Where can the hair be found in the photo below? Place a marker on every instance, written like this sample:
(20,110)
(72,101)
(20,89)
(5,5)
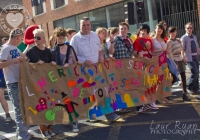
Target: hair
(50,39)
(124,23)
(60,31)
(39,31)
(109,29)
(16,32)
(172,29)
(163,35)
(162,22)
(143,27)
(85,18)
(189,23)
(99,30)
(70,31)
(114,30)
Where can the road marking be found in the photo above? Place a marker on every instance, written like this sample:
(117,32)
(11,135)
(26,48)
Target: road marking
(10,135)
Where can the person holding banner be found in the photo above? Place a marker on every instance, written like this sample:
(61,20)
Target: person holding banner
(123,48)
(52,42)
(143,44)
(160,46)
(40,54)
(10,58)
(174,48)
(64,55)
(88,48)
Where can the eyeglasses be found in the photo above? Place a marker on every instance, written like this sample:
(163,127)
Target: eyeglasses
(189,28)
(37,37)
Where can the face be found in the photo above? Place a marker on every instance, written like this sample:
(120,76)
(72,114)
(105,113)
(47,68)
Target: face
(165,25)
(189,29)
(70,36)
(39,39)
(66,101)
(102,35)
(143,33)
(19,39)
(53,42)
(123,30)
(173,35)
(158,30)
(61,39)
(85,27)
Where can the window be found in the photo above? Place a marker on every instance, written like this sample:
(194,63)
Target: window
(59,3)
(38,7)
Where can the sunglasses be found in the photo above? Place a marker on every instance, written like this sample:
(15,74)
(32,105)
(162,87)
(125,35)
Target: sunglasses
(37,37)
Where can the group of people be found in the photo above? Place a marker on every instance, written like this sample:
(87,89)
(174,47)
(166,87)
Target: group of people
(87,47)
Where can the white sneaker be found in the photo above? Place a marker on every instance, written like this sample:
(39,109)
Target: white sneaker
(46,134)
(51,133)
(75,127)
(154,106)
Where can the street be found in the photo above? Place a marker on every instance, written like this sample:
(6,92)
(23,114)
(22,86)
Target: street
(176,121)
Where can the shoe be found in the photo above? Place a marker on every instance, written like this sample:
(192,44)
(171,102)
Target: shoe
(186,97)
(190,91)
(116,118)
(8,118)
(197,92)
(144,109)
(153,106)
(46,134)
(123,110)
(51,133)
(75,127)
(20,138)
(167,100)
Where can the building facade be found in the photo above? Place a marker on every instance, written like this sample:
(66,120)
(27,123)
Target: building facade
(50,14)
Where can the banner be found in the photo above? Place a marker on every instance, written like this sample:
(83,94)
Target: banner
(55,95)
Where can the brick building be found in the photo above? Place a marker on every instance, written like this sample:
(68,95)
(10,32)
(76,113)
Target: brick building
(66,13)
(3,4)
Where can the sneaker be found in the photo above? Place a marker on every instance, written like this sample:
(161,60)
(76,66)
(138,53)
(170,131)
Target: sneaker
(46,134)
(51,133)
(8,119)
(144,109)
(20,138)
(116,118)
(75,127)
(153,106)
(190,91)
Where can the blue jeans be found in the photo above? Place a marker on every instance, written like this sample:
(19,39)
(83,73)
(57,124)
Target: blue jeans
(194,78)
(22,128)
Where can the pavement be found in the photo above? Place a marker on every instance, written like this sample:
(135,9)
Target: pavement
(177,121)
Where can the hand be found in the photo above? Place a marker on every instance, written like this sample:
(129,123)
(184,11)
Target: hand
(79,62)
(53,63)
(88,62)
(66,65)
(108,59)
(199,50)
(101,59)
(112,58)
(185,61)
(40,62)
(111,38)
(141,54)
(17,60)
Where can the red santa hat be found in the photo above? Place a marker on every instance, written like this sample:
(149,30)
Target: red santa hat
(28,35)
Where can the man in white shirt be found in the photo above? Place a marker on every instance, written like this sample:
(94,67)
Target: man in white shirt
(87,46)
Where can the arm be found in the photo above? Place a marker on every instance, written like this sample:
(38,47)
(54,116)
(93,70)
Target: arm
(5,63)
(60,105)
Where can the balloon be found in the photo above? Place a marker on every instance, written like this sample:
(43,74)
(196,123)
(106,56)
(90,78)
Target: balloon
(28,35)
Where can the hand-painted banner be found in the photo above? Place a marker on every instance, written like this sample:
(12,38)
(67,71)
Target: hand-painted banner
(53,94)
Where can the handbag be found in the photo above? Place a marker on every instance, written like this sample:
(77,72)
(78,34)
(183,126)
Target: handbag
(172,67)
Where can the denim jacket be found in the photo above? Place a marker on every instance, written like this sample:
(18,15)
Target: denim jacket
(186,43)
